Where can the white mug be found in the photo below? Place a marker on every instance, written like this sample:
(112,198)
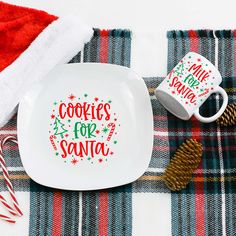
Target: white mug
(189,85)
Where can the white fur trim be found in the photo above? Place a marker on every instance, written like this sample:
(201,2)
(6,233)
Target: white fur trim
(56,44)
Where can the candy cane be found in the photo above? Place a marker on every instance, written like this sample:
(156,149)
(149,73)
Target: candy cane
(52,141)
(6,218)
(10,209)
(9,185)
(113,126)
(204,93)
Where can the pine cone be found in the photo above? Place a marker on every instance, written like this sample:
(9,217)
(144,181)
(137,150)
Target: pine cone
(181,167)
(229,116)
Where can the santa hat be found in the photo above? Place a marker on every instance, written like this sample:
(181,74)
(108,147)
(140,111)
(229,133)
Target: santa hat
(32,42)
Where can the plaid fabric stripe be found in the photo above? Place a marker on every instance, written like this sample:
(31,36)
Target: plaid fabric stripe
(55,213)
(151,181)
(109,46)
(101,211)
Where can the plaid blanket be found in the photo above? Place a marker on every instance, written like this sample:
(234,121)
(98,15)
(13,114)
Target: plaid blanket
(206,207)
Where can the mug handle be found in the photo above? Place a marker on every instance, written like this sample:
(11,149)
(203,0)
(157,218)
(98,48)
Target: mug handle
(221,91)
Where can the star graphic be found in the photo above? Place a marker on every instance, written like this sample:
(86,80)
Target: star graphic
(86,95)
(97,131)
(109,101)
(100,160)
(55,103)
(105,130)
(57,153)
(66,135)
(96,99)
(111,153)
(74,161)
(52,116)
(71,97)
(115,142)
(115,119)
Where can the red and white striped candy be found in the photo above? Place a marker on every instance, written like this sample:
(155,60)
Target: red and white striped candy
(52,137)
(113,126)
(9,185)
(6,218)
(10,209)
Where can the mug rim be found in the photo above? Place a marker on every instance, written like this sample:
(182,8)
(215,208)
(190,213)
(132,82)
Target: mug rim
(168,109)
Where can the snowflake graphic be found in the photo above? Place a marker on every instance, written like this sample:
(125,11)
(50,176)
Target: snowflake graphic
(74,161)
(105,130)
(71,97)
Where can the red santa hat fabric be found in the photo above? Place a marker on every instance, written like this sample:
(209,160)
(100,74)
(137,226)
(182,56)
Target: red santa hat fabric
(32,42)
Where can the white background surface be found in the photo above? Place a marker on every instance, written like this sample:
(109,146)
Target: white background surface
(146,15)
(149,20)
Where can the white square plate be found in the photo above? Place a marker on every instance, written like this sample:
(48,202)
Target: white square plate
(86,127)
